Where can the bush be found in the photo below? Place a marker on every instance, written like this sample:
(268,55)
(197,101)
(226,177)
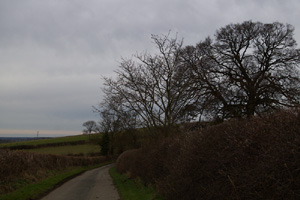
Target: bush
(257,158)
(149,162)
(16,165)
(115,143)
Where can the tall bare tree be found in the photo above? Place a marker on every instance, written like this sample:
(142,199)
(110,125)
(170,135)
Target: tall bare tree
(152,87)
(250,68)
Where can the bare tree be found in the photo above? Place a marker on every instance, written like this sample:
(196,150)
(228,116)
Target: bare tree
(114,117)
(90,126)
(152,87)
(250,68)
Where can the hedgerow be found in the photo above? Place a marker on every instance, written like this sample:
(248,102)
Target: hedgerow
(256,158)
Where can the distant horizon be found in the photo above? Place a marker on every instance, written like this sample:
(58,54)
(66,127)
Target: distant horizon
(33,133)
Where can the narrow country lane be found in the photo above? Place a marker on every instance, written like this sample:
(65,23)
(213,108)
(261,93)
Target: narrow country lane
(95,184)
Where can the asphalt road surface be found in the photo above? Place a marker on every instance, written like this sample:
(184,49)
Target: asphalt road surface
(95,184)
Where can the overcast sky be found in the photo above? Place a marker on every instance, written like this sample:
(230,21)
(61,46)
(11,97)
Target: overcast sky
(54,52)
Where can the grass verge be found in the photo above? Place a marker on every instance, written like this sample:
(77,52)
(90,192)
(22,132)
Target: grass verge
(130,189)
(37,190)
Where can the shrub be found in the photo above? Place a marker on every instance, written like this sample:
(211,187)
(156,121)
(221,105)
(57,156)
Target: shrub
(16,165)
(257,158)
(115,143)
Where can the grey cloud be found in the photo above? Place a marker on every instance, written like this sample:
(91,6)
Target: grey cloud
(49,102)
(53,53)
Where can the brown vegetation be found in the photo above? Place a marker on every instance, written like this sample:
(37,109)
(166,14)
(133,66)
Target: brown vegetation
(245,69)
(26,146)
(17,166)
(257,158)
(248,69)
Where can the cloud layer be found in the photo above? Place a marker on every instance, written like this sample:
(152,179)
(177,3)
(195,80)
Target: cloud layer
(53,53)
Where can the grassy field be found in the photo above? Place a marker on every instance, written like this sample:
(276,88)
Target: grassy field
(67,139)
(84,149)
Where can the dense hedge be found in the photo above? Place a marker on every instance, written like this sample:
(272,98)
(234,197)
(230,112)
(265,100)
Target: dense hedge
(257,158)
(23,166)
(26,146)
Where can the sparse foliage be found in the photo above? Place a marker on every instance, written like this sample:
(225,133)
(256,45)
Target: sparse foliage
(249,69)
(114,117)
(151,88)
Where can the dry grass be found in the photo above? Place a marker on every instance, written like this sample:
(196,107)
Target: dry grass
(22,167)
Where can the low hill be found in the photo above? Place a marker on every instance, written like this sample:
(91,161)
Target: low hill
(36,143)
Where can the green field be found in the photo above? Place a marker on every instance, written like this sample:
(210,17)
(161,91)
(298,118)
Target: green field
(89,144)
(85,138)
(84,149)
